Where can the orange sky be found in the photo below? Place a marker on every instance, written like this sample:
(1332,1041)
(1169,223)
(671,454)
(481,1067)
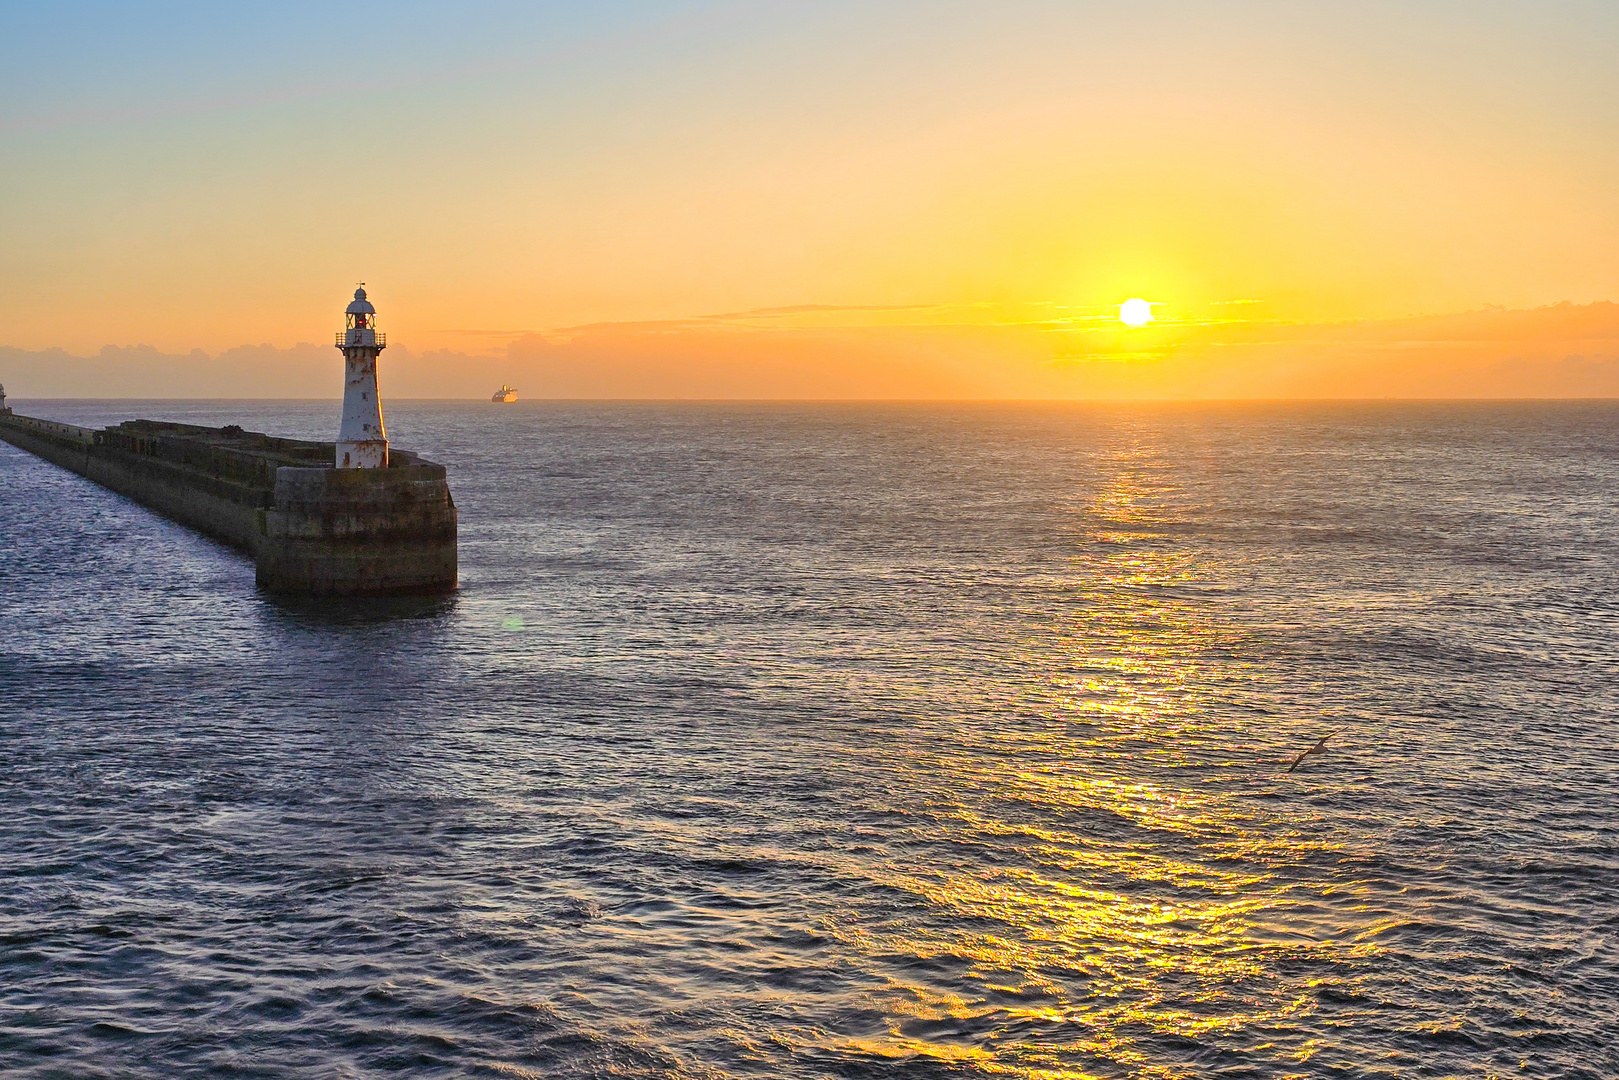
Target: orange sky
(952,197)
(1559,351)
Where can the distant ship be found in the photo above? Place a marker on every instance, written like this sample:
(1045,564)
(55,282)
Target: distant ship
(505,395)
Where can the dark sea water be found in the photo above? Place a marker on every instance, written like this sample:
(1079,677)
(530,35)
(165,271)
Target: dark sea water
(837,741)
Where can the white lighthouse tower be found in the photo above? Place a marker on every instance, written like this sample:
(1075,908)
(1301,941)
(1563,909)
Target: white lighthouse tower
(362,441)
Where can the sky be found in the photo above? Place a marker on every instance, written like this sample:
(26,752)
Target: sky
(827,199)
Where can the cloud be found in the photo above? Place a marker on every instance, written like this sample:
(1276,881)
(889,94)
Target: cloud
(910,352)
(805,309)
(1043,351)
(247,371)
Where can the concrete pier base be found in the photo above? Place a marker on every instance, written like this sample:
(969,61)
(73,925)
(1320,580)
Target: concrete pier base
(337,532)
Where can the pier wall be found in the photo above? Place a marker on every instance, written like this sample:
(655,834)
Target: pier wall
(60,444)
(313,530)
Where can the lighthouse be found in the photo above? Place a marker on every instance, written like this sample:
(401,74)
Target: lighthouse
(362,441)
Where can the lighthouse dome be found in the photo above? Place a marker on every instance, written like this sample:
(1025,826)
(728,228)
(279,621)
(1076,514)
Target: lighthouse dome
(361,305)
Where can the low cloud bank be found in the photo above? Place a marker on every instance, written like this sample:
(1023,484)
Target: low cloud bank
(1562,351)
(248,371)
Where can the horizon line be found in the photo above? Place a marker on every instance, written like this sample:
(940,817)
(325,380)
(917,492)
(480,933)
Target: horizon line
(1389,399)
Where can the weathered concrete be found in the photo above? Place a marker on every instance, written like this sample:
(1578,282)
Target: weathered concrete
(311,528)
(360,530)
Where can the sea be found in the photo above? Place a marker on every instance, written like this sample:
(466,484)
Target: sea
(836,740)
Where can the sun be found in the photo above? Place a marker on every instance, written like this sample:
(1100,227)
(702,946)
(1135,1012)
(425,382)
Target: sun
(1135,312)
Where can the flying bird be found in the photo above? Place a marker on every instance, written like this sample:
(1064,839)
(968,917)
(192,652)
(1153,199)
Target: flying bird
(1316,749)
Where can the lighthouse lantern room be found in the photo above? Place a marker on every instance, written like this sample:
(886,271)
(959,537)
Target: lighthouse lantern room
(362,441)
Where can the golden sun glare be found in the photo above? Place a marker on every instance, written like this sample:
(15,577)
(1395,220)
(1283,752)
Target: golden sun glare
(1135,312)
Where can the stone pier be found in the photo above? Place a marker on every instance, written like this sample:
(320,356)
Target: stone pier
(311,528)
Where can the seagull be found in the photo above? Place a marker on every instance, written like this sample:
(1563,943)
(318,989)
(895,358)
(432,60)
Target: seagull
(1316,749)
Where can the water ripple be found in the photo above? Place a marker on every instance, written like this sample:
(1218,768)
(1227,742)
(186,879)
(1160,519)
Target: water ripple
(773,740)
